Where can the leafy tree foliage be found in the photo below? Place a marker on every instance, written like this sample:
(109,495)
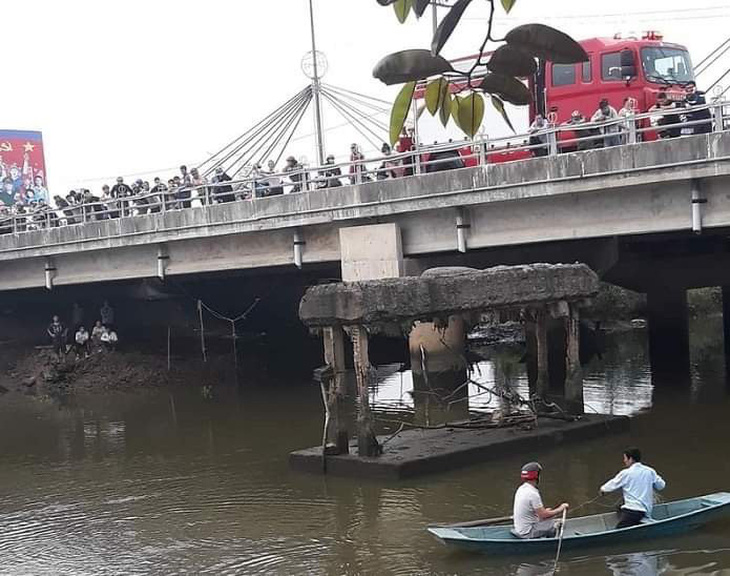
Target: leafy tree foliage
(496,74)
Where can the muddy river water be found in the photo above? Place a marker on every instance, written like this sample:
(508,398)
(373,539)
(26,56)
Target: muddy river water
(170,482)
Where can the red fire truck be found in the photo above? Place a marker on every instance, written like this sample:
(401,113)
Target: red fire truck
(619,67)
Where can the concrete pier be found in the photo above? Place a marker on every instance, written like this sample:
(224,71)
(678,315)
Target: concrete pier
(726,324)
(432,309)
(669,335)
(418,452)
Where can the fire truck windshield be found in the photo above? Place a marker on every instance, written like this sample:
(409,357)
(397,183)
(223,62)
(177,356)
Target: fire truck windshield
(666,65)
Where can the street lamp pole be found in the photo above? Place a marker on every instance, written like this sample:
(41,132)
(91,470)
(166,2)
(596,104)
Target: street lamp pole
(319,130)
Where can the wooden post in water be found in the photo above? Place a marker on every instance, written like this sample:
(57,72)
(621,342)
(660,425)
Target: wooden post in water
(573,372)
(543,377)
(334,357)
(367,444)
(202,331)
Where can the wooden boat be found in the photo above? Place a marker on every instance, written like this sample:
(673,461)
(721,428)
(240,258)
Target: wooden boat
(668,519)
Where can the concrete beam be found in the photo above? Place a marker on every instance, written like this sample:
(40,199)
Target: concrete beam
(404,300)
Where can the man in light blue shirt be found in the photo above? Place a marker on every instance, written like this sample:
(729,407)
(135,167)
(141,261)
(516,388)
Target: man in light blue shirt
(637,482)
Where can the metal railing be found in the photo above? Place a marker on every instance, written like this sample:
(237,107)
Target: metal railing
(257,186)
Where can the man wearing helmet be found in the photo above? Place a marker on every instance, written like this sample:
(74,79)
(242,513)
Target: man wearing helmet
(531,518)
(637,482)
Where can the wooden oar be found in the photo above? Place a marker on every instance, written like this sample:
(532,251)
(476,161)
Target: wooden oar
(560,540)
(473,523)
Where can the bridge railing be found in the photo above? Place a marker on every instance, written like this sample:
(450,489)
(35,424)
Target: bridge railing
(548,141)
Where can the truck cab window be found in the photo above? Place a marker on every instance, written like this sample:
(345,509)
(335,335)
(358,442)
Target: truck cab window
(611,67)
(563,74)
(666,65)
(587,72)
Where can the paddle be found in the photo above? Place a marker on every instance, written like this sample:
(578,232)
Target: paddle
(560,540)
(471,523)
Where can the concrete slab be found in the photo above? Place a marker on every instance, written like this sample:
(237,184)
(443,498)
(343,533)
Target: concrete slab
(418,452)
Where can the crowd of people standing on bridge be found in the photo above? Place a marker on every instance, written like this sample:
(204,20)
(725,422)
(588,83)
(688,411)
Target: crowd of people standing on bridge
(608,127)
(191,188)
(194,188)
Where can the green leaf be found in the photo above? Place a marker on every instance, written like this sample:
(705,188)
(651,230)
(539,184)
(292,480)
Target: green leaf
(509,61)
(435,94)
(409,65)
(499,105)
(546,43)
(447,26)
(455,105)
(506,87)
(446,107)
(419,6)
(471,114)
(401,107)
(508,5)
(402,8)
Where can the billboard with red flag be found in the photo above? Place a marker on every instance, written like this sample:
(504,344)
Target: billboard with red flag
(22,168)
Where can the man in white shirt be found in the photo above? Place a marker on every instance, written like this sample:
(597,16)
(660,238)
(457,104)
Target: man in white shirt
(531,519)
(637,483)
(82,342)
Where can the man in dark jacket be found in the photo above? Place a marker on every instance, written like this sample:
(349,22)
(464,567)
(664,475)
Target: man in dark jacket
(697,98)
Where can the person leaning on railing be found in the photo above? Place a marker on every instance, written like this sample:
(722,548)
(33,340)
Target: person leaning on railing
(538,135)
(6,220)
(696,98)
(222,192)
(667,114)
(607,116)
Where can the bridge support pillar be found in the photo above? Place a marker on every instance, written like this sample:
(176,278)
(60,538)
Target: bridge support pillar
(371,252)
(438,366)
(335,393)
(726,324)
(669,335)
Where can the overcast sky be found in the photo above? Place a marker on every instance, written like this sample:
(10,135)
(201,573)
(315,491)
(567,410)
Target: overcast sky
(140,86)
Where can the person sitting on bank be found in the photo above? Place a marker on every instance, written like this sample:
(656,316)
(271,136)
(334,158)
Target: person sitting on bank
(96,333)
(637,482)
(531,518)
(109,339)
(82,342)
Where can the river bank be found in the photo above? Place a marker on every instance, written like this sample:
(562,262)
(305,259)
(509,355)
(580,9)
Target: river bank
(38,372)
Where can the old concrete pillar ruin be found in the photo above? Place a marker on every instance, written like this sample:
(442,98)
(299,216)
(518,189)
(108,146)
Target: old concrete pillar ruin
(367,444)
(334,356)
(573,371)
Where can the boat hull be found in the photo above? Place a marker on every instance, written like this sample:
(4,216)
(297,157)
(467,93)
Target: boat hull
(582,532)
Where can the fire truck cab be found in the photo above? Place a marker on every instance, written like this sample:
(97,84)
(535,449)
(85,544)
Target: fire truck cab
(620,67)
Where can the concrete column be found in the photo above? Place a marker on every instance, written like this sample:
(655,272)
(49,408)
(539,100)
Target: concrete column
(669,335)
(367,444)
(726,324)
(371,252)
(334,356)
(439,367)
(573,371)
(438,353)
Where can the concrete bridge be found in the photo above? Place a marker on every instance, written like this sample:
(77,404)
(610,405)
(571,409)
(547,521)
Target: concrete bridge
(614,208)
